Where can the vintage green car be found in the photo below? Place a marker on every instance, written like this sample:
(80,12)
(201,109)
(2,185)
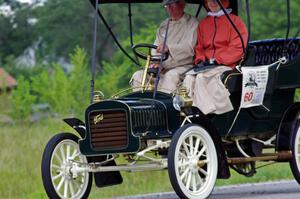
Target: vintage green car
(155,131)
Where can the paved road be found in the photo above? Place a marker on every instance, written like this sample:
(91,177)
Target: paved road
(270,190)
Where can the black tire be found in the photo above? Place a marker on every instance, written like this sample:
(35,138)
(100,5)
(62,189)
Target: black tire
(50,163)
(188,178)
(295,161)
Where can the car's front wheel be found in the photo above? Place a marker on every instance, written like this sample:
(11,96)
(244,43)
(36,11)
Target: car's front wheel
(192,162)
(295,161)
(59,155)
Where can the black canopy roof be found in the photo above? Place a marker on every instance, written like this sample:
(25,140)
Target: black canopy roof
(142,1)
(233,3)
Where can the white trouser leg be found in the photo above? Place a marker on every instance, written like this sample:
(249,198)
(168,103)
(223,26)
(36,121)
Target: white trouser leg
(189,83)
(136,80)
(170,80)
(202,96)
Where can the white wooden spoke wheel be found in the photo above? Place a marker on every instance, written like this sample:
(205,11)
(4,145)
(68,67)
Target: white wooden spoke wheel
(58,158)
(192,162)
(295,162)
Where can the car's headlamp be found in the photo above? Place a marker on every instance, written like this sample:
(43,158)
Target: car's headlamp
(181,99)
(178,102)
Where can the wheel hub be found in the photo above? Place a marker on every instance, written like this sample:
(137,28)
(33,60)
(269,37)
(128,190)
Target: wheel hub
(66,169)
(193,164)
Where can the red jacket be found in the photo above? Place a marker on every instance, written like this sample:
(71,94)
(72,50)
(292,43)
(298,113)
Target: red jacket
(218,39)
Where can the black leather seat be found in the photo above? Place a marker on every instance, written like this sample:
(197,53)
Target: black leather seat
(262,52)
(269,51)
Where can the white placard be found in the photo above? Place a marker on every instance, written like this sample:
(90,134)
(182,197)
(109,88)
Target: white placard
(254,85)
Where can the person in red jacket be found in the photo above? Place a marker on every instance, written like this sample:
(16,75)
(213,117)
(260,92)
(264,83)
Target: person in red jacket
(219,48)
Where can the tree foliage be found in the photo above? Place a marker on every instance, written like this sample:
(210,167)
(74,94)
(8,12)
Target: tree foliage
(54,89)
(68,93)
(16,31)
(269,18)
(79,80)
(65,93)
(22,99)
(64,24)
(61,25)
(118,70)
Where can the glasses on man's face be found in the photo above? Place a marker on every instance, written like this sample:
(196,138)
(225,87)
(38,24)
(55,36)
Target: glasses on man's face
(172,4)
(212,1)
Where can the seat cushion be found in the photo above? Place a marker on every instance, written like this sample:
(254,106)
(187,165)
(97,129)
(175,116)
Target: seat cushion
(262,52)
(232,79)
(269,51)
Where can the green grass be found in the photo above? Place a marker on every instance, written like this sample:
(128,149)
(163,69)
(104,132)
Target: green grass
(278,171)
(22,145)
(5,104)
(20,160)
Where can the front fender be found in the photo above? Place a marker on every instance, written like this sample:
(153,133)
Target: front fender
(77,125)
(204,121)
(287,127)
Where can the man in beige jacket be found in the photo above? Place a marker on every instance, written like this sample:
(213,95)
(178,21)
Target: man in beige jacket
(181,39)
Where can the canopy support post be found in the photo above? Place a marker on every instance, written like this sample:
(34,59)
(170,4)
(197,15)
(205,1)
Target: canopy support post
(130,24)
(199,9)
(288,9)
(115,38)
(248,19)
(161,60)
(94,52)
(233,25)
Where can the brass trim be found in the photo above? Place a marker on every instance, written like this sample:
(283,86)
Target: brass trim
(183,94)
(150,83)
(98,118)
(201,163)
(146,71)
(98,96)
(282,155)
(122,91)
(228,76)
(115,96)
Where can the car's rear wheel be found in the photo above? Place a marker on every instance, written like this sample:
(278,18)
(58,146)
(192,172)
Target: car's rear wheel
(59,155)
(192,162)
(295,161)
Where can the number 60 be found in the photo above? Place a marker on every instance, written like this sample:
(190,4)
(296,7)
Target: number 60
(248,96)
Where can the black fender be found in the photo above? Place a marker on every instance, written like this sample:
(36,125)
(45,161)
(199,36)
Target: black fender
(288,125)
(204,121)
(102,179)
(77,125)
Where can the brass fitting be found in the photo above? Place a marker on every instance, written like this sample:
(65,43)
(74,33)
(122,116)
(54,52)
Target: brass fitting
(146,71)
(183,93)
(181,99)
(98,96)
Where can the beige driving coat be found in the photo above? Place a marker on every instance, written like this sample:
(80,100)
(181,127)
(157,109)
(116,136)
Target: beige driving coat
(208,92)
(182,37)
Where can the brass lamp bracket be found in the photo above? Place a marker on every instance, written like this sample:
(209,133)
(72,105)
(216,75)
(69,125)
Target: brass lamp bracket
(98,96)
(146,71)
